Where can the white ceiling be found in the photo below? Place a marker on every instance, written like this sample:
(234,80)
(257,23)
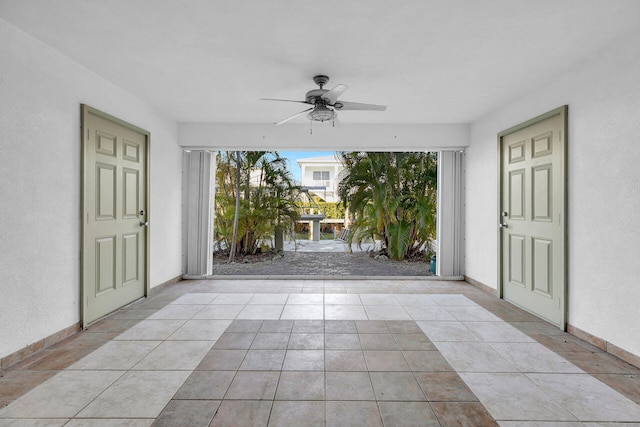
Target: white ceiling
(429,61)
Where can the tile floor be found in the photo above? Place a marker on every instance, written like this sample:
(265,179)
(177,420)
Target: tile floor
(321,352)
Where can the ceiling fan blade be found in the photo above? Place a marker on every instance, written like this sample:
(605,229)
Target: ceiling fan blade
(284,100)
(295,115)
(332,96)
(344,105)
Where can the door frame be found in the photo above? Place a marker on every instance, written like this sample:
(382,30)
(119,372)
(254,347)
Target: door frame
(85,111)
(563,113)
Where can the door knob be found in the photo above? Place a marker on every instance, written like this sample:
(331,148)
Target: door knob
(144,223)
(504,224)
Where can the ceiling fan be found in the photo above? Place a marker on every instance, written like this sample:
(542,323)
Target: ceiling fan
(325,102)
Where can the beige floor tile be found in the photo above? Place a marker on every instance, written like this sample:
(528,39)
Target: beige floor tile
(175,356)
(308,326)
(379,299)
(205,385)
(340,327)
(277,299)
(277,326)
(263,360)
(342,299)
(200,330)
(110,422)
(62,396)
(137,394)
(396,386)
(174,311)
(261,311)
(116,355)
(242,413)
(301,385)
(378,342)
(192,413)
(222,311)
(345,312)
(513,397)
(270,341)
(195,298)
(234,341)
(222,360)
(474,357)
(352,414)
(342,342)
(408,414)
(385,360)
(306,341)
(152,330)
(463,414)
(232,298)
(349,386)
(307,299)
(298,413)
(253,385)
(304,360)
(587,398)
(303,312)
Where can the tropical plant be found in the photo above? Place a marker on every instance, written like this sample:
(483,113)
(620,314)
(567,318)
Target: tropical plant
(267,198)
(392,198)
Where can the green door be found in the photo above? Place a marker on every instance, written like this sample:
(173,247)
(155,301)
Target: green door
(532,216)
(115,227)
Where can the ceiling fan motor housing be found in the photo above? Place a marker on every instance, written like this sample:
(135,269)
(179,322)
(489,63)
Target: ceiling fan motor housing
(315,95)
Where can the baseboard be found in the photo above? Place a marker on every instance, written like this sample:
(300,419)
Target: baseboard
(13,358)
(156,289)
(481,286)
(604,345)
(54,338)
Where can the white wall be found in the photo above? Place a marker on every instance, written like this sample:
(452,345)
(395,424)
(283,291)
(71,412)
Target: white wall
(40,96)
(603,94)
(383,137)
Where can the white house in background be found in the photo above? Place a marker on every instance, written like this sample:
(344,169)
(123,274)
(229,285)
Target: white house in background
(321,175)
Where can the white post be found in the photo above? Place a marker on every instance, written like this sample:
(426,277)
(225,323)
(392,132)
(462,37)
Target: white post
(198,186)
(450,217)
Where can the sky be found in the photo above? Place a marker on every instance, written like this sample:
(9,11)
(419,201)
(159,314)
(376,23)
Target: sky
(292,156)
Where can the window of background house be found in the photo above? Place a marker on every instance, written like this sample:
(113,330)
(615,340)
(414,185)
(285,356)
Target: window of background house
(321,175)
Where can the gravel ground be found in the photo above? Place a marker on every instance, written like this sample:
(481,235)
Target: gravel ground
(320,264)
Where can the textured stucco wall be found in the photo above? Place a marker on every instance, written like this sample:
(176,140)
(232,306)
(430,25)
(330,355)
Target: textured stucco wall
(603,94)
(41,92)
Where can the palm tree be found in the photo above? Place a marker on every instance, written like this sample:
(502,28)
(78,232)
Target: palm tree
(257,189)
(392,197)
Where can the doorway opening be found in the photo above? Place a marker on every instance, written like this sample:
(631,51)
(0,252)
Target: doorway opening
(326,213)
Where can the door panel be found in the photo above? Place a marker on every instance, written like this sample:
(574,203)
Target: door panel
(114,214)
(532,217)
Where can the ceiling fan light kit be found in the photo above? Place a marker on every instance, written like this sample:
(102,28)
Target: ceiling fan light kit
(325,102)
(321,114)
